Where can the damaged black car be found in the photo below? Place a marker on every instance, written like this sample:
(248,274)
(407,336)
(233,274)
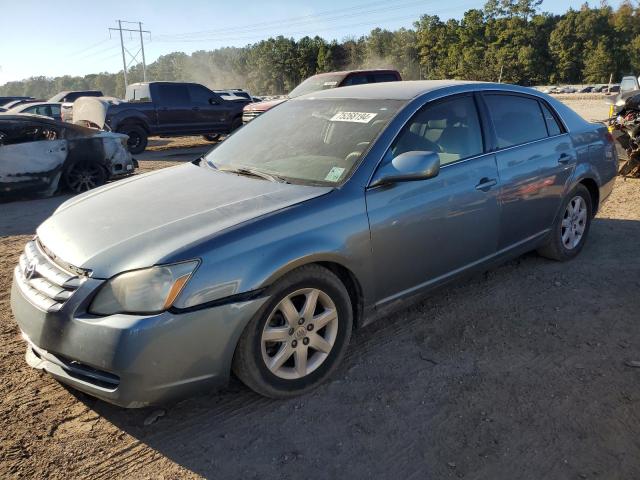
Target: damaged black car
(42,155)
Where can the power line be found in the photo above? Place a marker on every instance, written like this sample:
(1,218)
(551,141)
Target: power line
(271,23)
(88,48)
(332,28)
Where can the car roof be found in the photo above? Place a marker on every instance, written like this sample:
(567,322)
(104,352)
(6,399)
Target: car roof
(406,90)
(364,70)
(30,117)
(34,104)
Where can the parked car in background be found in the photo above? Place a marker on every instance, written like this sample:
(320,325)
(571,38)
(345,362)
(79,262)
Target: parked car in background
(319,216)
(73,95)
(629,83)
(41,155)
(615,88)
(165,109)
(15,103)
(67,98)
(588,89)
(5,100)
(47,109)
(323,81)
(234,94)
(629,87)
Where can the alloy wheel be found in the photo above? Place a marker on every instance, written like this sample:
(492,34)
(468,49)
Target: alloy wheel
(84,176)
(299,333)
(574,222)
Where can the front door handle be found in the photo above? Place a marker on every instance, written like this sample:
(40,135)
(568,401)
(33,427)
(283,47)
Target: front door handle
(564,158)
(195,109)
(486,183)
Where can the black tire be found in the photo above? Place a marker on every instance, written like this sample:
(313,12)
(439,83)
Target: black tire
(248,363)
(236,124)
(138,138)
(212,137)
(555,247)
(83,176)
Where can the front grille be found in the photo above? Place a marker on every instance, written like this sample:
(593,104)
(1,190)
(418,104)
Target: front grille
(45,283)
(250,115)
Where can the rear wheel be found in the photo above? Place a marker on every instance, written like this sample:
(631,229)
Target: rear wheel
(569,233)
(138,138)
(212,137)
(299,336)
(83,176)
(236,124)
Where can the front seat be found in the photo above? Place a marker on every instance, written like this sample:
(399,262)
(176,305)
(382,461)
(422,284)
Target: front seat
(410,141)
(456,140)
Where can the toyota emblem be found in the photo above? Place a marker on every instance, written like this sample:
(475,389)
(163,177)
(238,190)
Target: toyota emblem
(30,271)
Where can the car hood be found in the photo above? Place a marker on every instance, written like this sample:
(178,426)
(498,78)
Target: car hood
(143,220)
(92,110)
(263,106)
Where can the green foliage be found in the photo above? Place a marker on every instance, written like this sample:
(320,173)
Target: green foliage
(508,37)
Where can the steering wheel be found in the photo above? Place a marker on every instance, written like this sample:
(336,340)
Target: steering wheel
(352,157)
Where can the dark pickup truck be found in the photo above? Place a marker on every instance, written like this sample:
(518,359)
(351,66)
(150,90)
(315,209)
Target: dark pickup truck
(172,109)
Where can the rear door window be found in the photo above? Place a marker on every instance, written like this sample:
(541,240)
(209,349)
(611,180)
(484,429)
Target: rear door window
(175,95)
(517,119)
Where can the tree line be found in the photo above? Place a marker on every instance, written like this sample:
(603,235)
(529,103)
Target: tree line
(511,40)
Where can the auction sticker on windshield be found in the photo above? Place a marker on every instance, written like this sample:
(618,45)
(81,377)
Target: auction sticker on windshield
(334,174)
(358,117)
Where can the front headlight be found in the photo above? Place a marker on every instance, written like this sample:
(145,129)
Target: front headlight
(151,290)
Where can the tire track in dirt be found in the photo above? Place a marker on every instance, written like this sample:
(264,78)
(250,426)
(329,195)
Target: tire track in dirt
(517,373)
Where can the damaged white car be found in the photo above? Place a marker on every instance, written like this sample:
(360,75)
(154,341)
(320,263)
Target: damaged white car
(42,155)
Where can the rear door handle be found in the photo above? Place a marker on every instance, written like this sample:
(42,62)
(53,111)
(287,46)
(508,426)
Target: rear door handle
(486,183)
(564,158)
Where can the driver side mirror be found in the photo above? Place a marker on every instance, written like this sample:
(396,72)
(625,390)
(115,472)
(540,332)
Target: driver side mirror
(407,167)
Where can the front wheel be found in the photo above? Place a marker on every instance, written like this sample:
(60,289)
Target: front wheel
(298,338)
(570,230)
(212,137)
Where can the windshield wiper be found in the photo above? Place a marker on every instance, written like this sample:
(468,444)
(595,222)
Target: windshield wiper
(250,172)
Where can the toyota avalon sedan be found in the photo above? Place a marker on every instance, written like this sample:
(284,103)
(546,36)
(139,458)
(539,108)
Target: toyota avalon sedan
(261,257)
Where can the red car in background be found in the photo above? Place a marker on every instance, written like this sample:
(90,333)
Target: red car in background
(323,81)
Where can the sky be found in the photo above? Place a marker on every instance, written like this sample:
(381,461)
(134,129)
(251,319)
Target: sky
(72,37)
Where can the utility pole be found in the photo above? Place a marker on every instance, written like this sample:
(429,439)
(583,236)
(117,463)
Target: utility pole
(500,77)
(144,63)
(124,61)
(133,56)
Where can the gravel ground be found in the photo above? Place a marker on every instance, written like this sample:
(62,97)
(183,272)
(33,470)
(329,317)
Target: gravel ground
(516,373)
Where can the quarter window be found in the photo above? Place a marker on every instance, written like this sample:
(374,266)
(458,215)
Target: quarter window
(450,128)
(552,124)
(516,119)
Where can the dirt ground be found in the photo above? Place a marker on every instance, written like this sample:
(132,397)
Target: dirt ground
(516,373)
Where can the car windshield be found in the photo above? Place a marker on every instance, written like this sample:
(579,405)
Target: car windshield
(315,83)
(309,141)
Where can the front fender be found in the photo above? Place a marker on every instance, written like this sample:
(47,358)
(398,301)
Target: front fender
(332,228)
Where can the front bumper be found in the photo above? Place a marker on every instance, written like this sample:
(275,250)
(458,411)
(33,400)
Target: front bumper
(131,360)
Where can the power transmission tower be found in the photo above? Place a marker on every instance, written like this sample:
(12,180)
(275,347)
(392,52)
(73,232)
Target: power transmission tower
(132,56)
